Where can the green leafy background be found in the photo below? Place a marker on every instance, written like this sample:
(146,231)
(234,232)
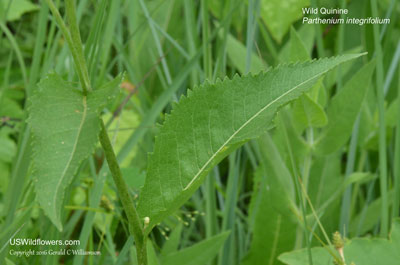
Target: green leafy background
(195,72)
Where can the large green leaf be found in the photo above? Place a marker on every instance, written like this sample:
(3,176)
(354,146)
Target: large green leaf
(343,111)
(65,126)
(198,254)
(212,121)
(361,251)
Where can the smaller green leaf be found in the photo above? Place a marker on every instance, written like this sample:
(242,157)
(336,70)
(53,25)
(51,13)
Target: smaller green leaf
(4,176)
(309,113)
(368,217)
(279,175)
(65,125)
(237,55)
(172,244)
(343,111)
(133,177)
(120,131)
(8,148)
(306,112)
(298,51)
(391,116)
(360,251)
(10,108)
(345,69)
(307,35)
(14,9)
(278,15)
(273,232)
(151,254)
(360,178)
(286,122)
(198,254)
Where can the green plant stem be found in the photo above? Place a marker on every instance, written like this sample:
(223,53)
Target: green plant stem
(17,51)
(71,45)
(251,28)
(77,42)
(135,226)
(205,37)
(382,130)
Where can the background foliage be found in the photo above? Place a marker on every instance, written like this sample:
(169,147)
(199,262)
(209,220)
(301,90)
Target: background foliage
(330,161)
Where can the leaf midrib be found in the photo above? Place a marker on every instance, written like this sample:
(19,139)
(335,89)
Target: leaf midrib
(84,114)
(244,125)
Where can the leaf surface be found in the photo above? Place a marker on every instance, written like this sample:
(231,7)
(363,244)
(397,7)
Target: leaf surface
(14,9)
(273,231)
(65,126)
(172,244)
(363,251)
(279,15)
(309,113)
(306,112)
(343,111)
(237,54)
(212,121)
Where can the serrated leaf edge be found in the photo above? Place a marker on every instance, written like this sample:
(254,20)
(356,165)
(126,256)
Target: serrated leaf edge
(254,116)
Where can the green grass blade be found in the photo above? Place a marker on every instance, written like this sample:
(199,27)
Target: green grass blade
(382,130)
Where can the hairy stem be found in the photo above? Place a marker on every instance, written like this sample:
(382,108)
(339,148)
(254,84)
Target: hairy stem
(70,42)
(135,226)
(77,43)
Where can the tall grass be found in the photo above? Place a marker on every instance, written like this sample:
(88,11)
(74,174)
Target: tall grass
(165,47)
